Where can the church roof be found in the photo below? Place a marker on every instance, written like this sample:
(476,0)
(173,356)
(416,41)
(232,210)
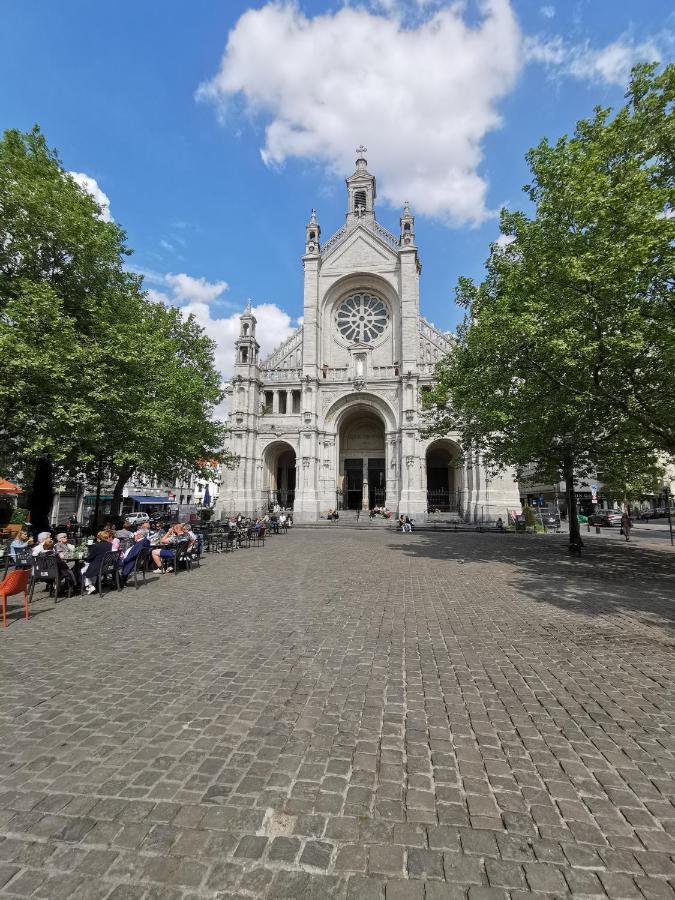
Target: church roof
(371,226)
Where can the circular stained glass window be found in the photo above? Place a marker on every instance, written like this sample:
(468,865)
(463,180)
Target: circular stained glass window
(362,317)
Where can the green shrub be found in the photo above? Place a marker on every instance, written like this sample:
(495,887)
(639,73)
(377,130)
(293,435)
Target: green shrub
(530,518)
(18,516)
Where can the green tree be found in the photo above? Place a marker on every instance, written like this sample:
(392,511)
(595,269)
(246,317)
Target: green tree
(97,374)
(566,356)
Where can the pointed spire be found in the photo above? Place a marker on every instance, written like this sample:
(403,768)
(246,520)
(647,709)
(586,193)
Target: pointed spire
(312,218)
(249,309)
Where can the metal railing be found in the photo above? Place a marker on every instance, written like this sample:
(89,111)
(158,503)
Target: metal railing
(444,501)
(284,498)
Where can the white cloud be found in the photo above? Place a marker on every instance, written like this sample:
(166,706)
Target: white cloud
(504,240)
(187,288)
(421,98)
(548,11)
(193,295)
(610,64)
(90,186)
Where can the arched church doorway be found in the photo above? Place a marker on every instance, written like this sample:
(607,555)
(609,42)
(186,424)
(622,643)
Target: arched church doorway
(444,487)
(279,474)
(362,459)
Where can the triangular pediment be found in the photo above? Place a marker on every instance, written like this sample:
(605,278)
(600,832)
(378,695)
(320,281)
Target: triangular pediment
(358,249)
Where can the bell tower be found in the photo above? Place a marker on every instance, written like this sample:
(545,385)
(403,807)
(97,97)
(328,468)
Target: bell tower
(407,220)
(312,236)
(247,347)
(361,191)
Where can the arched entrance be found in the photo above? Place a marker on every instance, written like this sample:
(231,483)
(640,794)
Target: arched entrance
(362,470)
(444,481)
(279,474)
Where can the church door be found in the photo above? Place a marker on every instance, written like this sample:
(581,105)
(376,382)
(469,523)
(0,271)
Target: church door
(353,484)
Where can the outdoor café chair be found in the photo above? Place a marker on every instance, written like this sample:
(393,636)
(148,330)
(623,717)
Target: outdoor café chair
(140,566)
(110,568)
(46,570)
(14,583)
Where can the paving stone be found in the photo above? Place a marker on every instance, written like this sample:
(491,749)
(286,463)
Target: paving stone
(316,854)
(398,889)
(461,720)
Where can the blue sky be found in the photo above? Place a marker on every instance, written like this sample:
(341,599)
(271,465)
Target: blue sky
(447,97)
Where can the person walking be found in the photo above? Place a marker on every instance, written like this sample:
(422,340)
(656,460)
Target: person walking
(626,525)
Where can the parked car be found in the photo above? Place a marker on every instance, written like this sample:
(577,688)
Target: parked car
(606,517)
(137,517)
(550,517)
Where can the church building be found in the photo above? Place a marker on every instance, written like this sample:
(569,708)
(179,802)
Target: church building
(332,418)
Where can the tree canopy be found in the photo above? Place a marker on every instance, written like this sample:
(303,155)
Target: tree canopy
(94,368)
(566,355)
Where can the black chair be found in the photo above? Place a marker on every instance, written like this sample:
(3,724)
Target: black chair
(194,555)
(23,558)
(46,570)
(230,540)
(140,566)
(180,557)
(110,568)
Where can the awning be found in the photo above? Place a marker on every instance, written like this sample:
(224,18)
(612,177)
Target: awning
(7,487)
(91,498)
(152,500)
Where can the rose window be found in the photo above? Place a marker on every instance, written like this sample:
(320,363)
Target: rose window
(362,317)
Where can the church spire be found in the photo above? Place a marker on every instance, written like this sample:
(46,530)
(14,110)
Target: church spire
(312,235)
(361,191)
(407,227)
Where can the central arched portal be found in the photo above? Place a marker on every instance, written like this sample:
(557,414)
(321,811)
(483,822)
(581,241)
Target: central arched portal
(362,459)
(279,474)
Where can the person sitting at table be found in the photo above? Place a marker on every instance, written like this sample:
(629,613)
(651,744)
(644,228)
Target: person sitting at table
(114,541)
(92,567)
(49,549)
(165,552)
(125,531)
(141,540)
(42,537)
(62,547)
(20,542)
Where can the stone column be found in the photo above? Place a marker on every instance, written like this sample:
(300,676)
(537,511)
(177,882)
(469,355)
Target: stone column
(364,496)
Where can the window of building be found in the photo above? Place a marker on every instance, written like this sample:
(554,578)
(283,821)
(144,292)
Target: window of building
(359,199)
(362,317)
(296,401)
(244,329)
(244,354)
(282,402)
(268,404)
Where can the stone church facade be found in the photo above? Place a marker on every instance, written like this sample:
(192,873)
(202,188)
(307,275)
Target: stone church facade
(332,418)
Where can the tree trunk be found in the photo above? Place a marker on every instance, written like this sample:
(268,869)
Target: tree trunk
(575,535)
(123,476)
(42,495)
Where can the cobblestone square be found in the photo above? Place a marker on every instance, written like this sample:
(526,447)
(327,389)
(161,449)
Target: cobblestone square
(349,713)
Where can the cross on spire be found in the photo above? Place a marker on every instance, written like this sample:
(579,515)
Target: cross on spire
(361,150)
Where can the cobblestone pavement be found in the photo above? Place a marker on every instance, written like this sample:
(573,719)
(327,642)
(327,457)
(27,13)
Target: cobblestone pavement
(349,714)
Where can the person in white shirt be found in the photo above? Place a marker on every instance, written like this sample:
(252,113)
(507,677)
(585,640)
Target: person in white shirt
(42,537)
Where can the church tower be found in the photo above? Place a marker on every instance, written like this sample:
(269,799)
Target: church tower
(361,190)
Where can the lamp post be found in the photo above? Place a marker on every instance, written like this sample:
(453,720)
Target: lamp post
(667,495)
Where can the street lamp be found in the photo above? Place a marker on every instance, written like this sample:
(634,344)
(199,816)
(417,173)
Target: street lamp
(667,495)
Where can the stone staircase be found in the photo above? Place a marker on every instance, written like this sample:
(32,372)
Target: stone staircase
(348,520)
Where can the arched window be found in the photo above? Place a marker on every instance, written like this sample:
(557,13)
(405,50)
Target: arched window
(244,329)
(312,235)
(406,226)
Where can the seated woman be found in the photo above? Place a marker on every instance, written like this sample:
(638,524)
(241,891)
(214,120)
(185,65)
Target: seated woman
(62,547)
(49,549)
(92,566)
(164,551)
(20,542)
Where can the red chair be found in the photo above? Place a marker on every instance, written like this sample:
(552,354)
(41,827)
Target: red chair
(14,583)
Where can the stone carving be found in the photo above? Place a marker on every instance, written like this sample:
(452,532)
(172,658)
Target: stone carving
(359,384)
